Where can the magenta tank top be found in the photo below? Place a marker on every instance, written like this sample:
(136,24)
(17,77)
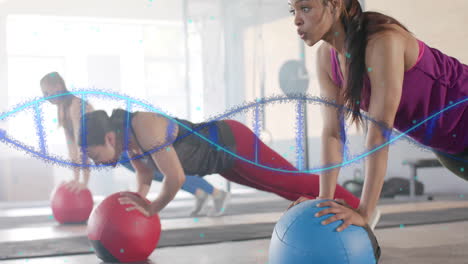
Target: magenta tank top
(435,82)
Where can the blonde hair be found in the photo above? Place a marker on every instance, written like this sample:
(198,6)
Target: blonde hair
(54,78)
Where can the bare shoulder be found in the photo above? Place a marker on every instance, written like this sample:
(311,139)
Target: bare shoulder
(392,36)
(76,107)
(323,57)
(151,129)
(148,119)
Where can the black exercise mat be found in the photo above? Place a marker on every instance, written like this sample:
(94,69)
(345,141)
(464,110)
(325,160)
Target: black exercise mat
(206,235)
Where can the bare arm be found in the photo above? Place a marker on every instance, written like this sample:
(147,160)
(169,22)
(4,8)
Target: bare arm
(75,115)
(144,177)
(74,154)
(150,131)
(385,55)
(331,152)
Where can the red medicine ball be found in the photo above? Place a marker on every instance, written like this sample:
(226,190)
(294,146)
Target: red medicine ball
(118,235)
(69,207)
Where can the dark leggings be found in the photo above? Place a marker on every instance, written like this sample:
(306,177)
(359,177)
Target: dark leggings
(458,164)
(288,185)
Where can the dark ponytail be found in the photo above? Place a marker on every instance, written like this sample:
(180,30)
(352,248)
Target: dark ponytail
(98,124)
(119,120)
(358,26)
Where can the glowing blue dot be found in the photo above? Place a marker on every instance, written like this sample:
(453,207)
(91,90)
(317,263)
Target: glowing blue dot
(302,55)
(416,177)
(121,250)
(190,21)
(358,102)
(348,55)
(202,235)
(405,162)
(198,108)
(414,121)
(91,248)
(454,135)
(212,17)
(141,41)
(451,102)
(462,196)
(402,226)
(462,169)
(222,210)
(195,220)
(168,148)
(20,253)
(291,147)
(54,120)
(369,69)
(401,189)
(51,217)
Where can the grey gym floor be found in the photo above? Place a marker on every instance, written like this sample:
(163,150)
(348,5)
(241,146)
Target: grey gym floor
(435,243)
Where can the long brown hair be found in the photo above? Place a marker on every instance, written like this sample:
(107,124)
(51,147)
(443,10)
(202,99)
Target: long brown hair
(358,27)
(54,78)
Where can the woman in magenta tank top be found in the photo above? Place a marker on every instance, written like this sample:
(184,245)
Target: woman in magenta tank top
(369,61)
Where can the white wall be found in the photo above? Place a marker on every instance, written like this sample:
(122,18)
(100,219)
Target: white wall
(107,9)
(441,25)
(132,9)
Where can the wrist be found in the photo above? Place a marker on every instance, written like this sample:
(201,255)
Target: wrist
(364,213)
(325,197)
(154,208)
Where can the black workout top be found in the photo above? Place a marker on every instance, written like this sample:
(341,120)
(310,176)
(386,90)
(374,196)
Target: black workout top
(197,155)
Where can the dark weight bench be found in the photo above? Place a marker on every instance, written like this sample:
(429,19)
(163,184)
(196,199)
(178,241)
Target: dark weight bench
(418,164)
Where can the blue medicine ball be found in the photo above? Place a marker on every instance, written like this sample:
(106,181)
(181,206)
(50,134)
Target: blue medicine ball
(300,238)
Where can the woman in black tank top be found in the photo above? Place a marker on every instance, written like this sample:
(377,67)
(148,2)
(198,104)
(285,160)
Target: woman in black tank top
(176,147)
(69,115)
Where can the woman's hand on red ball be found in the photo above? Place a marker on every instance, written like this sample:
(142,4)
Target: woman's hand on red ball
(137,203)
(75,186)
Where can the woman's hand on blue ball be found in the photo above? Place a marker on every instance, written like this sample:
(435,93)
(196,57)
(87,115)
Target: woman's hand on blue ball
(341,212)
(298,201)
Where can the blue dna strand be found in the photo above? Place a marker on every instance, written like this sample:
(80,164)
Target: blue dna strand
(256,106)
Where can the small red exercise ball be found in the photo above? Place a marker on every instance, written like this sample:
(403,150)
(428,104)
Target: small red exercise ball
(118,235)
(69,207)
